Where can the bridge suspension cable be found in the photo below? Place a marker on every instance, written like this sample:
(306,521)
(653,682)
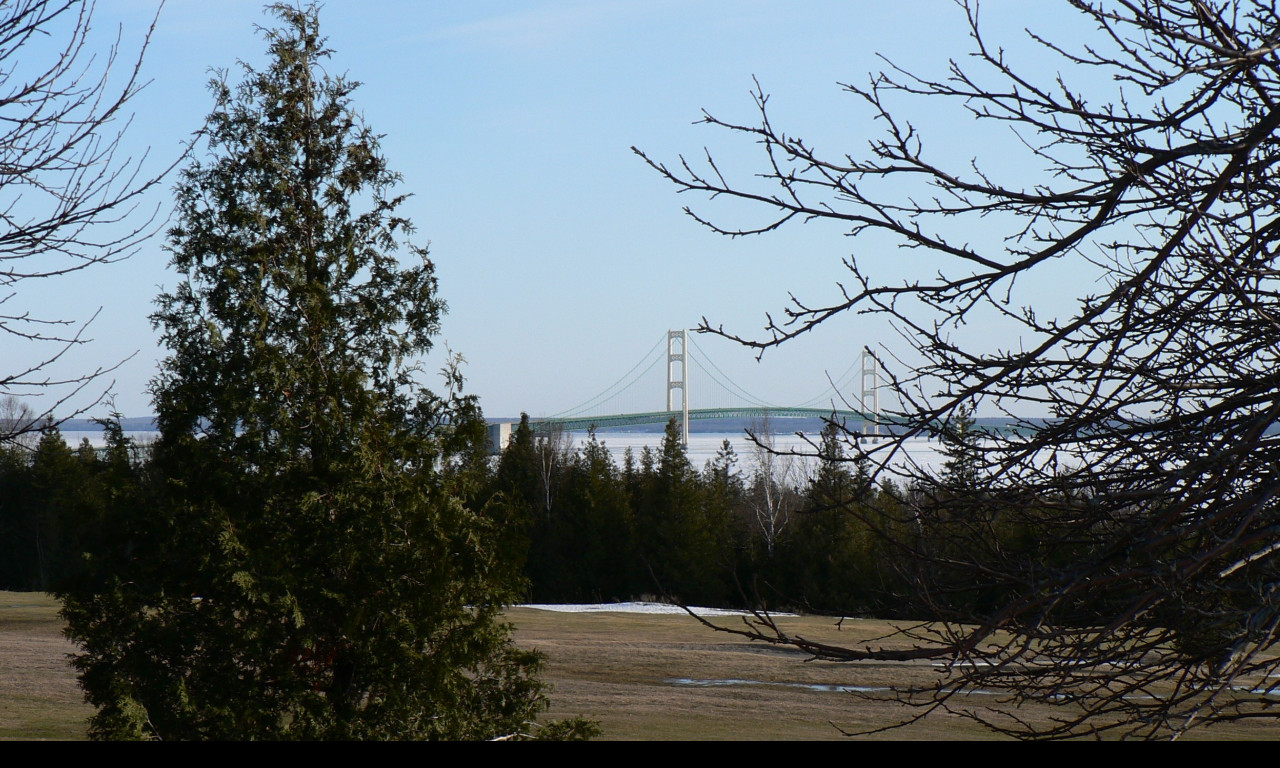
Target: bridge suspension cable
(834,387)
(724,381)
(613,389)
(832,392)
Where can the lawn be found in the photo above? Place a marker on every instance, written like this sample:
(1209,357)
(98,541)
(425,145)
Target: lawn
(642,676)
(39,698)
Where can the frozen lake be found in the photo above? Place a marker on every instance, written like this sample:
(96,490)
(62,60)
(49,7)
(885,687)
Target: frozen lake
(702,446)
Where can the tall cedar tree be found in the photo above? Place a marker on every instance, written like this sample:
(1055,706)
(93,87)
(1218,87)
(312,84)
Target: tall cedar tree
(310,569)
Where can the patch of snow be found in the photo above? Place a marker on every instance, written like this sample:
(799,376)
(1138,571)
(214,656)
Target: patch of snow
(825,687)
(636,607)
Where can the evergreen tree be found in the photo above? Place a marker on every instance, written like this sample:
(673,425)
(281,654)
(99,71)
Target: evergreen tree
(840,481)
(686,551)
(311,568)
(517,476)
(15,491)
(513,489)
(829,558)
(600,511)
(960,471)
(726,510)
(59,481)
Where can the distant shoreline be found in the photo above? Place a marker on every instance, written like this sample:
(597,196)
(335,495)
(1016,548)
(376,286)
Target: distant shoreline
(780,425)
(131,424)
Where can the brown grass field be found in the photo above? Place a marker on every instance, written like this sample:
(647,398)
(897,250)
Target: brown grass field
(619,669)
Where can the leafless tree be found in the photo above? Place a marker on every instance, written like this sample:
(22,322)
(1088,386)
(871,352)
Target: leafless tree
(68,198)
(775,476)
(1144,463)
(554,448)
(18,420)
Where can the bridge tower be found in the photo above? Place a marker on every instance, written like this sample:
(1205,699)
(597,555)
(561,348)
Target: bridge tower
(678,356)
(870,394)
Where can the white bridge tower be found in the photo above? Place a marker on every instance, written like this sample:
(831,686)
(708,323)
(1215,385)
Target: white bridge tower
(870,394)
(678,356)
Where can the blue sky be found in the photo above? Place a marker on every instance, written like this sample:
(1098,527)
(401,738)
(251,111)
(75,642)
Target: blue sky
(561,255)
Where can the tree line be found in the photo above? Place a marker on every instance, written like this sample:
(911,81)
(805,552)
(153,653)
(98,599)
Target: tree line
(575,525)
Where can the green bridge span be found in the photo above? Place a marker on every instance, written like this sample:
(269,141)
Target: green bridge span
(582,423)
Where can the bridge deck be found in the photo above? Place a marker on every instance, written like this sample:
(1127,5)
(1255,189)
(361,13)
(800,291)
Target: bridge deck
(581,423)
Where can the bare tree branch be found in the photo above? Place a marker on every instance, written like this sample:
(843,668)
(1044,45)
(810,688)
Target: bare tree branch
(1116,554)
(69,199)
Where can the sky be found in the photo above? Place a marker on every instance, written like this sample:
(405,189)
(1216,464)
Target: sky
(561,255)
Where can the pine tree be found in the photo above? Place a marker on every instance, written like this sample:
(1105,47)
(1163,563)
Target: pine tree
(685,551)
(828,560)
(310,569)
(960,471)
(601,511)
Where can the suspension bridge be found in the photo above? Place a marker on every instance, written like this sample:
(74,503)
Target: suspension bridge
(689,370)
